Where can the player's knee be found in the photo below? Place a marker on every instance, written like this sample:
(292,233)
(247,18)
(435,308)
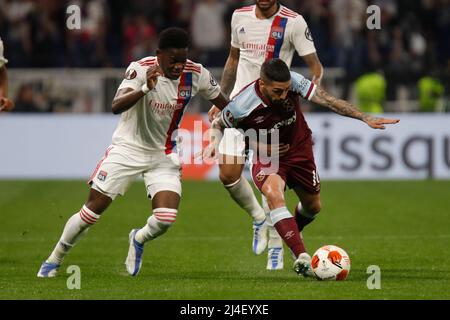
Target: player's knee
(275,199)
(229,178)
(313,207)
(98,202)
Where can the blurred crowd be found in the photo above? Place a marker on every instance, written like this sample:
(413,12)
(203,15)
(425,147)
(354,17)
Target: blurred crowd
(413,41)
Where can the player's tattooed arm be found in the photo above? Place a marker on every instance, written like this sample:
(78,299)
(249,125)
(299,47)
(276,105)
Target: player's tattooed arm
(345,108)
(230,71)
(228,79)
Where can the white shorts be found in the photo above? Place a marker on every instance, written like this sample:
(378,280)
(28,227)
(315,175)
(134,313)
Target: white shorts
(232,143)
(121,166)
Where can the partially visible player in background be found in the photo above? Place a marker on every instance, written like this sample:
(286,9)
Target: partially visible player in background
(271,104)
(151,100)
(260,32)
(5,103)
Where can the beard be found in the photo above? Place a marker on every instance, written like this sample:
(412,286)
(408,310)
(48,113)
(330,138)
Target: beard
(265,6)
(279,103)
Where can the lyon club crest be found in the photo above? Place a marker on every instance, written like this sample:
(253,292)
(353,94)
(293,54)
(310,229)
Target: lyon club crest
(277,32)
(185,92)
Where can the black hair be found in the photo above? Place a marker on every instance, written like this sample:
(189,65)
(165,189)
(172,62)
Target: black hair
(275,70)
(173,38)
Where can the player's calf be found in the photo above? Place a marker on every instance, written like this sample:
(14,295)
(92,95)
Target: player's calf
(304,215)
(161,220)
(75,228)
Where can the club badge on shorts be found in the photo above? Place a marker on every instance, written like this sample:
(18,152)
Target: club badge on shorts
(260,176)
(102,175)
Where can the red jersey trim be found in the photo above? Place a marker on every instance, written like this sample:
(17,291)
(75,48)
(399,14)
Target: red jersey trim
(245,9)
(147,61)
(288,12)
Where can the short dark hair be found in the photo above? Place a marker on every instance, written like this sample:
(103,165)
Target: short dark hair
(275,70)
(175,38)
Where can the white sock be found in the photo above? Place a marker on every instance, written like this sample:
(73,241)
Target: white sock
(242,192)
(75,228)
(275,240)
(157,224)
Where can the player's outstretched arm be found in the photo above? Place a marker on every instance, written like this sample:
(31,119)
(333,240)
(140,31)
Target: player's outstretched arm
(5,103)
(345,108)
(127,98)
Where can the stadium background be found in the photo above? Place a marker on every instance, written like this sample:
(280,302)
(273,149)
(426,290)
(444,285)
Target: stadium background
(63,82)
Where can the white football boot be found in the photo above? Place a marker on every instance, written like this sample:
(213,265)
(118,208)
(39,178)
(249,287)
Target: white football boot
(260,238)
(135,251)
(303,265)
(275,253)
(48,270)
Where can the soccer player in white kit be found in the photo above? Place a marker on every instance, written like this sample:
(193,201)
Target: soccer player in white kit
(151,100)
(260,32)
(5,103)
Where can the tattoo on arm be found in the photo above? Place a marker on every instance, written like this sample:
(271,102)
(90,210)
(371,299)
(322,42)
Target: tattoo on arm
(338,106)
(228,78)
(230,71)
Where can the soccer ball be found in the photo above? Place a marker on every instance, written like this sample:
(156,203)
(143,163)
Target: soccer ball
(330,263)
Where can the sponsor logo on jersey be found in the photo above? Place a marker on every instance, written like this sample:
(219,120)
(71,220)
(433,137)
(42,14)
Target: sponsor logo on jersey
(288,106)
(242,31)
(259,119)
(286,122)
(102,175)
(131,74)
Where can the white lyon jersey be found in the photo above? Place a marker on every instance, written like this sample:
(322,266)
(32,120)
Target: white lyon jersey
(261,39)
(3,61)
(151,123)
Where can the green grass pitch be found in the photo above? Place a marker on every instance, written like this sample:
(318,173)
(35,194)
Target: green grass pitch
(403,227)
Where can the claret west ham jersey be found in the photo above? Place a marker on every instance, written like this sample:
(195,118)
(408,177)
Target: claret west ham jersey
(150,124)
(249,110)
(261,39)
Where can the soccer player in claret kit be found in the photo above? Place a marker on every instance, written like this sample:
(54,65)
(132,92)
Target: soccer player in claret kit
(259,32)
(151,100)
(271,105)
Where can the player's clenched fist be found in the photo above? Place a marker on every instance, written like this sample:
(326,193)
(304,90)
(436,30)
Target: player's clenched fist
(152,76)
